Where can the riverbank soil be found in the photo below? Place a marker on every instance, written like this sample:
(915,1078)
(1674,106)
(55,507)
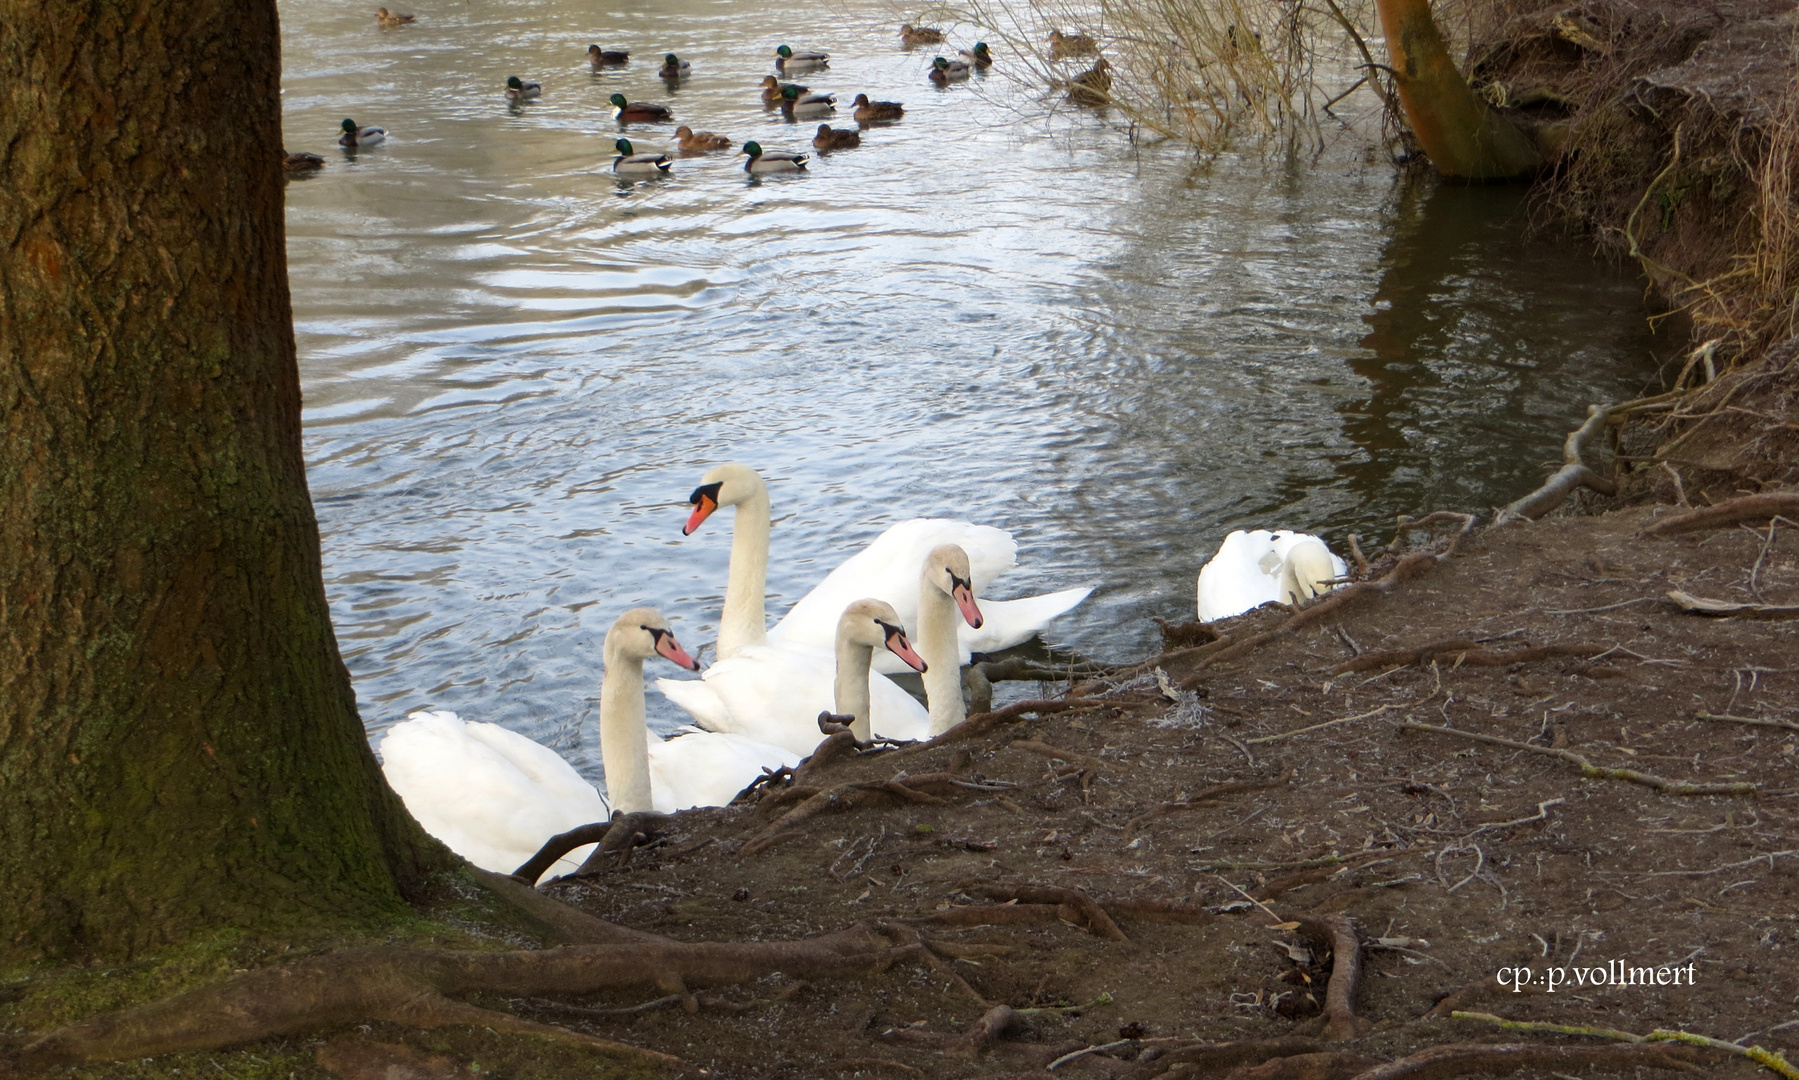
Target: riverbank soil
(1290,775)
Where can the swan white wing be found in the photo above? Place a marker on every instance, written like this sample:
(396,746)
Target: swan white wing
(893,713)
(465,785)
(1285,542)
(1235,579)
(1004,623)
(887,569)
(700,699)
(769,694)
(709,768)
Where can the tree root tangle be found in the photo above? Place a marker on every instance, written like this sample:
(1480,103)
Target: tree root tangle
(1592,771)
(414,988)
(847,796)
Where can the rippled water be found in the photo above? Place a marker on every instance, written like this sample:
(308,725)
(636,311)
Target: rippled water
(517,366)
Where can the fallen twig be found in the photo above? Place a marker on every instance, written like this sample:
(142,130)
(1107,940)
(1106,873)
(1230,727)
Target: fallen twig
(1727,609)
(1771,1060)
(1058,754)
(1729,512)
(1784,725)
(1503,1059)
(1200,798)
(1465,654)
(1592,771)
(1766,856)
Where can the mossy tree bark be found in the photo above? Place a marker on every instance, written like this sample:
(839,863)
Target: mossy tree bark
(1461,136)
(179,744)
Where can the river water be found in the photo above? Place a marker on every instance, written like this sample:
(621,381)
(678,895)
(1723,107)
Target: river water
(517,366)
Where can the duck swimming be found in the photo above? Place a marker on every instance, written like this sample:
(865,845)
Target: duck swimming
(698,142)
(600,58)
(639,112)
(354,136)
(830,138)
(948,71)
(978,56)
(877,112)
(630,161)
(673,67)
(796,104)
(788,60)
(519,90)
(771,161)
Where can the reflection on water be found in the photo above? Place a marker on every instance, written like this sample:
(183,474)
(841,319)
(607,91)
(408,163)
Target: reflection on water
(517,365)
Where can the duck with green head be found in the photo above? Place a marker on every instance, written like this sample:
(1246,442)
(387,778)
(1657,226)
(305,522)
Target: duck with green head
(796,104)
(788,60)
(771,161)
(519,90)
(977,57)
(948,71)
(630,161)
(639,112)
(673,67)
(354,136)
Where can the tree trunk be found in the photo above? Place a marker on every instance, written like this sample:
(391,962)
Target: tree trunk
(1461,136)
(179,744)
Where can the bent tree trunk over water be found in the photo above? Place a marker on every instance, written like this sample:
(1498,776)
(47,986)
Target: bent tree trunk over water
(1462,136)
(179,744)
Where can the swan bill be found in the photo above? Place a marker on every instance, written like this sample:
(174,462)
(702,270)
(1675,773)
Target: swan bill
(963,591)
(670,648)
(900,647)
(705,501)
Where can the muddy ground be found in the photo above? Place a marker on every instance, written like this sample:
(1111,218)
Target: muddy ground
(1453,858)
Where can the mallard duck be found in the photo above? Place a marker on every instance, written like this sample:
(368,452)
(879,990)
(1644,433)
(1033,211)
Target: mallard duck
(698,142)
(830,138)
(796,104)
(877,112)
(948,71)
(301,162)
(519,90)
(630,161)
(767,161)
(354,136)
(673,67)
(773,87)
(788,60)
(913,36)
(600,58)
(388,18)
(1093,86)
(978,56)
(1062,46)
(638,112)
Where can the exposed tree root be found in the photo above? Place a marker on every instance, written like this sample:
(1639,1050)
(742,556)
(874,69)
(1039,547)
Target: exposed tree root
(849,796)
(1315,874)
(1214,1059)
(1463,652)
(557,921)
(1487,1059)
(1086,912)
(1592,771)
(1056,753)
(982,723)
(1325,1065)
(1728,609)
(1773,1061)
(1201,798)
(1338,933)
(1752,721)
(414,988)
(1747,508)
(1573,474)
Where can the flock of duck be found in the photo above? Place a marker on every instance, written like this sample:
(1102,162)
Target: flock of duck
(495,796)
(796,101)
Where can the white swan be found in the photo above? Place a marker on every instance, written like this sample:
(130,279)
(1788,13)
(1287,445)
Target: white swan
(887,569)
(945,603)
(701,768)
(491,795)
(1256,567)
(773,694)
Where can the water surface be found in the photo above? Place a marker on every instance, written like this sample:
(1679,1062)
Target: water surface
(517,366)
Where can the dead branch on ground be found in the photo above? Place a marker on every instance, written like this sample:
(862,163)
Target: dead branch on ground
(1772,1061)
(1730,512)
(1730,609)
(1465,1059)
(1592,771)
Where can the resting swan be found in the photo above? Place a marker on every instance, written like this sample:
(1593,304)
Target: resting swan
(1256,567)
(886,569)
(700,768)
(773,694)
(491,795)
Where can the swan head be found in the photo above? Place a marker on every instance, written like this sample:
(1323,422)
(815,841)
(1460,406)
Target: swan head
(875,624)
(946,568)
(642,633)
(1306,572)
(723,485)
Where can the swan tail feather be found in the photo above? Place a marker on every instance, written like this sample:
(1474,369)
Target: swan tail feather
(1006,623)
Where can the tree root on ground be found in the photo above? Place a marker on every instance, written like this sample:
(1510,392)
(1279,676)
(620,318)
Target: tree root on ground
(1338,934)
(847,796)
(1200,798)
(1462,652)
(1730,609)
(1504,1059)
(1213,1059)
(1772,1060)
(1592,771)
(414,988)
(981,723)
(1730,512)
(1573,474)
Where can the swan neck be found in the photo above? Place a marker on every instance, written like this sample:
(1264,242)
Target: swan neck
(851,689)
(624,736)
(937,619)
(745,618)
